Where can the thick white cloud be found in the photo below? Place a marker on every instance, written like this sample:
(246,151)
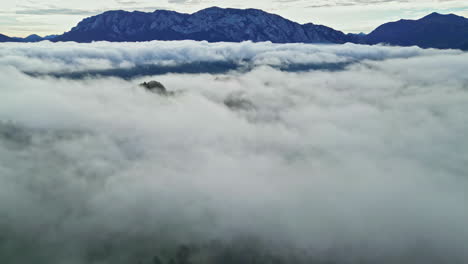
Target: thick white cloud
(365,164)
(47,57)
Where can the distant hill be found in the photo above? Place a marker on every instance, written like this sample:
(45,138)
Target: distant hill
(49,37)
(432,31)
(30,38)
(211,24)
(4,38)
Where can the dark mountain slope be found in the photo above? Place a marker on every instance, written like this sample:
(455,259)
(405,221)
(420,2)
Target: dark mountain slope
(432,31)
(4,38)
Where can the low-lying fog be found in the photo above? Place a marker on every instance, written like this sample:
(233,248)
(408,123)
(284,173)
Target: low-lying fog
(280,158)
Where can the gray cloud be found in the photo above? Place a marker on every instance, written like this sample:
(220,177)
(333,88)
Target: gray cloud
(345,2)
(55,11)
(184,1)
(361,165)
(126,2)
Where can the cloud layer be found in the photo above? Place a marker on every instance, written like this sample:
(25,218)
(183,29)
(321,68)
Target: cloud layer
(360,165)
(55,58)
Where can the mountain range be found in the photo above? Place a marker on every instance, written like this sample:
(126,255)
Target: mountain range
(235,25)
(30,38)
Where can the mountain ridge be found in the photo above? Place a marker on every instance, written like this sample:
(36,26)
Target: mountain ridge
(28,39)
(217,24)
(212,24)
(432,31)
(4,38)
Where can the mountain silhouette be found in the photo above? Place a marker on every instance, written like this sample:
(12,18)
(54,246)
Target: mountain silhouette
(236,25)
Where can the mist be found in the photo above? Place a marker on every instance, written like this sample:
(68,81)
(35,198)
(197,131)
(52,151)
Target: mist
(255,163)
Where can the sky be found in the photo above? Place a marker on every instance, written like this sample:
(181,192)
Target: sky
(24,17)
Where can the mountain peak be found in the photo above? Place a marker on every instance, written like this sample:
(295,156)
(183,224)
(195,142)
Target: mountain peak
(118,11)
(212,24)
(439,16)
(434,14)
(213,8)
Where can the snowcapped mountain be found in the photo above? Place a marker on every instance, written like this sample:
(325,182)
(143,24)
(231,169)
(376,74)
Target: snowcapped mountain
(235,25)
(432,31)
(211,24)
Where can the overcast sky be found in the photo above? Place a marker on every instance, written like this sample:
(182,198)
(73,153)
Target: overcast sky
(24,17)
